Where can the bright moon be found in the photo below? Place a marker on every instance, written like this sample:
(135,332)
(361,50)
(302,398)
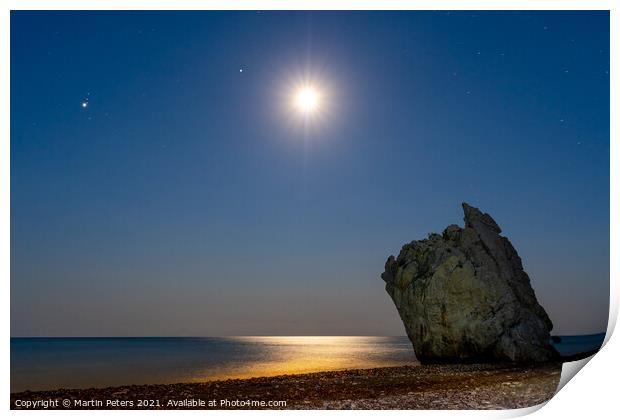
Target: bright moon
(307,99)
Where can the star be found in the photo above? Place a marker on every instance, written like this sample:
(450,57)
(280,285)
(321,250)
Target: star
(241,70)
(84,104)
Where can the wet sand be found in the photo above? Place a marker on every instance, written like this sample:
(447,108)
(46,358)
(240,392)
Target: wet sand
(474,386)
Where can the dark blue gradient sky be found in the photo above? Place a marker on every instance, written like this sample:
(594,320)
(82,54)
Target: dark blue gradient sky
(185,199)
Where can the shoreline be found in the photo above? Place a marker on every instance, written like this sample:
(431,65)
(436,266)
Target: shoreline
(455,386)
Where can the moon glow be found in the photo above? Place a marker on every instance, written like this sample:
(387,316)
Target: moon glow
(307,100)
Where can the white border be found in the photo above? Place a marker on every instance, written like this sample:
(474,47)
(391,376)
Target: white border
(593,395)
(310,5)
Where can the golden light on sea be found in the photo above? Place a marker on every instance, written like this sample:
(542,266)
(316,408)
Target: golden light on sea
(304,354)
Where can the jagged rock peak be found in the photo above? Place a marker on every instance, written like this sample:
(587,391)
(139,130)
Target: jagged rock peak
(464,296)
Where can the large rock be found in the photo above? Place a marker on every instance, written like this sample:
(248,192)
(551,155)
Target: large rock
(463,296)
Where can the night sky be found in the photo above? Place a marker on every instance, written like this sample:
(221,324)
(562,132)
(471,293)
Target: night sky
(162,183)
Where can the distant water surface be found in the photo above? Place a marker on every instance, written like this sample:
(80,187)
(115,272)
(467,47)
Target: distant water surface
(52,363)
(568,345)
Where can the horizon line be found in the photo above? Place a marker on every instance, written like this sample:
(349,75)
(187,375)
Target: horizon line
(249,336)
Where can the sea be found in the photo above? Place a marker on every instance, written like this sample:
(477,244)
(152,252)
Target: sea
(568,345)
(39,364)
(52,363)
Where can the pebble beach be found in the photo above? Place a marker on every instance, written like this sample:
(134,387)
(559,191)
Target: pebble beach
(459,386)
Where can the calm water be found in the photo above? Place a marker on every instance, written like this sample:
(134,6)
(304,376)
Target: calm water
(568,345)
(50,363)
